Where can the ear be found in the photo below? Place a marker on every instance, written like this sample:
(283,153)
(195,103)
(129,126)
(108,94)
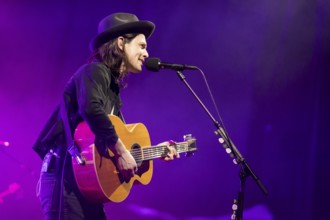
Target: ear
(120,42)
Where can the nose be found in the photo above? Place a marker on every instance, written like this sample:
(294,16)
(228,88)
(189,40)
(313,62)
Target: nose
(146,54)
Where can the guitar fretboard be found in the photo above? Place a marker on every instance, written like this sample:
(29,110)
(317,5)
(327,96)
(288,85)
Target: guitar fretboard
(149,153)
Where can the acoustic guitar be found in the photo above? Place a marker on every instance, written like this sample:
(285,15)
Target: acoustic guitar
(98,178)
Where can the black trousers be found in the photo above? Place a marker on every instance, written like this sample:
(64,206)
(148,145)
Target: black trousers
(59,194)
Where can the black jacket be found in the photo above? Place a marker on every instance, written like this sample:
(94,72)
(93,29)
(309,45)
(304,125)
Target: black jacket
(91,95)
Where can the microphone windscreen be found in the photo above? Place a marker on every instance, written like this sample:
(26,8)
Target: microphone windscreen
(152,64)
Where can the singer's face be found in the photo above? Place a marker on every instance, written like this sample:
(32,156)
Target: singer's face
(136,53)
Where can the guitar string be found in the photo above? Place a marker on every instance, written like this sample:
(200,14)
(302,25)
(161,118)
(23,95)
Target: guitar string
(149,152)
(155,151)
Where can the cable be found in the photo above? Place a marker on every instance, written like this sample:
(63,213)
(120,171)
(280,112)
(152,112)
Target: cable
(217,111)
(62,186)
(212,98)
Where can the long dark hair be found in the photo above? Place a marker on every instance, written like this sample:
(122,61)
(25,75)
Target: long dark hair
(112,56)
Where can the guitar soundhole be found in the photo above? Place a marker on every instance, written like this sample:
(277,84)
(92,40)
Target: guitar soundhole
(143,165)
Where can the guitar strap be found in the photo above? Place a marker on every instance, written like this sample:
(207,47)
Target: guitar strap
(120,114)
(71,146)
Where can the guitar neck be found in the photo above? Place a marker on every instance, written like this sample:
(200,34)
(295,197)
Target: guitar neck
(153,152)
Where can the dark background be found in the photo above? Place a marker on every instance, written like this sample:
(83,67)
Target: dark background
(267,63)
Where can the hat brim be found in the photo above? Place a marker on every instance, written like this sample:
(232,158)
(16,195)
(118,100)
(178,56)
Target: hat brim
(143,27)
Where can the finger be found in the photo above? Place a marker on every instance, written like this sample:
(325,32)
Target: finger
(171,142)
(169,154)
(129,174)
(167,158)
(173,152)
(133,171)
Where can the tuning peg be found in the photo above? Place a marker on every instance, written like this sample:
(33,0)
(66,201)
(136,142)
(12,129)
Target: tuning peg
(187,137)
(189,154)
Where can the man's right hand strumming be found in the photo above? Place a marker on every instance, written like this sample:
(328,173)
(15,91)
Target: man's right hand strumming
(126,164)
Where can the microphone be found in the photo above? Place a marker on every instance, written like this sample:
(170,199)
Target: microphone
(154,64)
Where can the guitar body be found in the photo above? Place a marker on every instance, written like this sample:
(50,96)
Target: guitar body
(98,179)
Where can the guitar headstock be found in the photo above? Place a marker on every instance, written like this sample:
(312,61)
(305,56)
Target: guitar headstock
(191,141)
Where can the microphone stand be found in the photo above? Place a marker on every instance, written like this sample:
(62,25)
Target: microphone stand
(231,149)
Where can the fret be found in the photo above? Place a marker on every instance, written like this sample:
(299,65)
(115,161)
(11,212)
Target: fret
(152,152)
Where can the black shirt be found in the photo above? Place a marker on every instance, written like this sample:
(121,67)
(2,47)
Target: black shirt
(91,95)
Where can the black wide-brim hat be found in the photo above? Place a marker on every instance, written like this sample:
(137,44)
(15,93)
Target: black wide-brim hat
(119,24)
